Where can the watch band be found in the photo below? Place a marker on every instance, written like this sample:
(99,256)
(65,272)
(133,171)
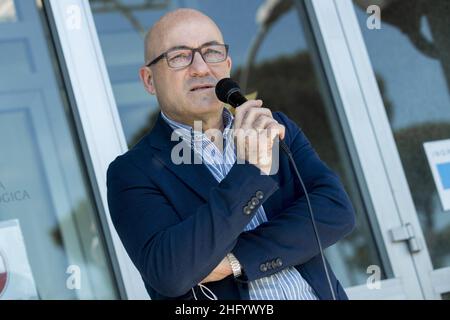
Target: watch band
(235,265)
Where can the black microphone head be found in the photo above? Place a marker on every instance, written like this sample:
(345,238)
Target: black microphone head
(225,88)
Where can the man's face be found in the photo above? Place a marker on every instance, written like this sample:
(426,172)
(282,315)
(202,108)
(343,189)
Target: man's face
(174,87)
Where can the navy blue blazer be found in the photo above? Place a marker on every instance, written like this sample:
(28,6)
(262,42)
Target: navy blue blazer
(177,222)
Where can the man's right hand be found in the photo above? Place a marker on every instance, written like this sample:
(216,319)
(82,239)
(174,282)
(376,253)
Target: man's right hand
(255,130)
(220,272)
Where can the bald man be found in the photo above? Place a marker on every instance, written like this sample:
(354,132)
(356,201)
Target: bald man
(229,221)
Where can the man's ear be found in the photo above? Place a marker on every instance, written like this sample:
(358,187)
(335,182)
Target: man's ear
(229,63)
(146,76)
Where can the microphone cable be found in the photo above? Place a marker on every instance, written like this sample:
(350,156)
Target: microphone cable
(288,152)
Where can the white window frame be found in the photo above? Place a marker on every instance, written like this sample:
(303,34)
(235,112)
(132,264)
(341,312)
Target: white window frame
(96,117)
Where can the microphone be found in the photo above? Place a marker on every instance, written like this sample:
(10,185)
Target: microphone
(228,91)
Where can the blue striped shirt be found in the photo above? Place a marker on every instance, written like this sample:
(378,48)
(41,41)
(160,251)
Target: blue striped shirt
(287,284)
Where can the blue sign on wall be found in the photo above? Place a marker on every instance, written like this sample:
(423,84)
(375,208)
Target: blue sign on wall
(444,174)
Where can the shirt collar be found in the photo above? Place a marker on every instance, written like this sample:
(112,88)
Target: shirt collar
(188,133)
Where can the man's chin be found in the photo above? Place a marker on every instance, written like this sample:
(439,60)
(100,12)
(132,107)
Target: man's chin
(204,107)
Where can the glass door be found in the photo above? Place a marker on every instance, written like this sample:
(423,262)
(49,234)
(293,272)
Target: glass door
(48,217)
(411,61)
(355,94)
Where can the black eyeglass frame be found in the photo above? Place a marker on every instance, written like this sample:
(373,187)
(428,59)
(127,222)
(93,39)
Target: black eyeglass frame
(194,50)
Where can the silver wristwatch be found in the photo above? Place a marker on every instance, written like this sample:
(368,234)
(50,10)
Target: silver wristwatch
(235,265)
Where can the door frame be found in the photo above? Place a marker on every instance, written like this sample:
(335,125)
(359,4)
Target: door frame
(96,119)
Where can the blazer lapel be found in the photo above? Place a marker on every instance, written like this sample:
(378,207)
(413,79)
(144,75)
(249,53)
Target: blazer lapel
(195,175)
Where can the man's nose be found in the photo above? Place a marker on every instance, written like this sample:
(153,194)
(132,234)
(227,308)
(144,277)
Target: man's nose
(198,67)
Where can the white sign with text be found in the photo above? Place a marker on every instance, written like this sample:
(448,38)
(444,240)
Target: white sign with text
(438,155)
(16,279)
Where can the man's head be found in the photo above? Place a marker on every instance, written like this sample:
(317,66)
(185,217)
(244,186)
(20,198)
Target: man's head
(175,88)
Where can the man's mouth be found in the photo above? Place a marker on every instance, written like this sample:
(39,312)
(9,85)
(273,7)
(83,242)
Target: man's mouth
(202,87)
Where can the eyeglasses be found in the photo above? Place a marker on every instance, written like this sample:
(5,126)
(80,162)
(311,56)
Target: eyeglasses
(181,57)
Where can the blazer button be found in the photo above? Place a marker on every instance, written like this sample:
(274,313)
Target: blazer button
(247,210)
(274,264)
(254,201)
(259,195)
(263,267)
(279,262)
(269,265)
(250,205)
